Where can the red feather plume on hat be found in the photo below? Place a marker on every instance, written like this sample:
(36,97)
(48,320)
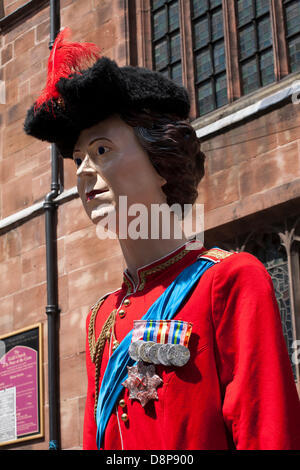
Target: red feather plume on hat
(66,58)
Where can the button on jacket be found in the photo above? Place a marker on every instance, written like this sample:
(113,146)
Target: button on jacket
(237,391)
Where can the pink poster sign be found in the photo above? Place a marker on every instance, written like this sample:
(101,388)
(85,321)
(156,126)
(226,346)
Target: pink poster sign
(19,368)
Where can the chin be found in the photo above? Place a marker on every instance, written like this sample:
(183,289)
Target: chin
(105,213)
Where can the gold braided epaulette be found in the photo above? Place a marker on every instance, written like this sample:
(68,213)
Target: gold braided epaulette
(216,254)
(97,347)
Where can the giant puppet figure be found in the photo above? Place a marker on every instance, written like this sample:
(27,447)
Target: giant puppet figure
(188,353)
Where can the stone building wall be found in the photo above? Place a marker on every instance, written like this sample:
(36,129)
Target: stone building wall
(254,166)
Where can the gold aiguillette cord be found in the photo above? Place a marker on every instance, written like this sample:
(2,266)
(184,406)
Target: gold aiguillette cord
(97,347)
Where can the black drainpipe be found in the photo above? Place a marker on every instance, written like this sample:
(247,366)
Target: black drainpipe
(52,309)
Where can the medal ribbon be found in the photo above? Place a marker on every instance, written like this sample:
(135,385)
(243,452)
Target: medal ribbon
(164,308)
(162,331)
(187,335)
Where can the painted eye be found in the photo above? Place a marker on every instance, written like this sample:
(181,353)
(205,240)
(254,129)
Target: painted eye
(101,150)
(78,162)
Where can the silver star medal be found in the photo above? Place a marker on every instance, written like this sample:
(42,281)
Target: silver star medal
(142,382)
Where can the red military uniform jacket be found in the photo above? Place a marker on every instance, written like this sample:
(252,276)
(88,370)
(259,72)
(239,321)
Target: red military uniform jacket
(237,391)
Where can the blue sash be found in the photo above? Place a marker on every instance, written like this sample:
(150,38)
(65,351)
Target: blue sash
(164,308)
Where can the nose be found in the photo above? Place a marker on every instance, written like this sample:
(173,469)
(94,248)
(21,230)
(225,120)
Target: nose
(85,168)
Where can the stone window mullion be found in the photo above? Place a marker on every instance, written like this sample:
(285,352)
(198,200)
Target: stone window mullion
(231,48)
(144,34)
(188,75)
(281,65)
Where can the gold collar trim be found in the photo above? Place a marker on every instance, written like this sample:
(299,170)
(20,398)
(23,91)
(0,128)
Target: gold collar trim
(160,267)
(144,273)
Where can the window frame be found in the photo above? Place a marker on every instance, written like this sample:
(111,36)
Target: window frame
(9,22)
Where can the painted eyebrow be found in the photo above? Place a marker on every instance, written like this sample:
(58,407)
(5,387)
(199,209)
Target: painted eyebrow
(94,140)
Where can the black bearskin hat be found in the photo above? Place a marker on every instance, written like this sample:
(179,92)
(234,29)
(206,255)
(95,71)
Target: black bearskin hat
(84,88)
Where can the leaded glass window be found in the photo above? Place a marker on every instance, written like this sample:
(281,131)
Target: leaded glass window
(166,38)
(292,27)
(256,57)
(190,40)
(275,247)
(209,55)
(274,257)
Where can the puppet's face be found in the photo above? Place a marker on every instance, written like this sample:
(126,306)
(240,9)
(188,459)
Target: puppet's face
(111,163)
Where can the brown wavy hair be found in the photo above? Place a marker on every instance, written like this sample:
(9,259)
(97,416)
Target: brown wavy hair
(174,150)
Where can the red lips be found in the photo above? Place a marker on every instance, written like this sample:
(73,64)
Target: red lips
(92,194)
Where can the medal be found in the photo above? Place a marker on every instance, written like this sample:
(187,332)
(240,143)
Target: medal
(143,351)
(142,382)
(178,355)
(134,350)
(153,353)
(162,354)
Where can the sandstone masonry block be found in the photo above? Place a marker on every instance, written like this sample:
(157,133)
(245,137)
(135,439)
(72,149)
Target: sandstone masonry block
(70,435)
(72,368)
(17,195)
(6,54)
(24,42)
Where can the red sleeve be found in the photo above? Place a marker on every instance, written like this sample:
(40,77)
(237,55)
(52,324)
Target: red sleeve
(89,427)
(261,406)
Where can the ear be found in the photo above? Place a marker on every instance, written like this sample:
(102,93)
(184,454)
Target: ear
(162,180)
